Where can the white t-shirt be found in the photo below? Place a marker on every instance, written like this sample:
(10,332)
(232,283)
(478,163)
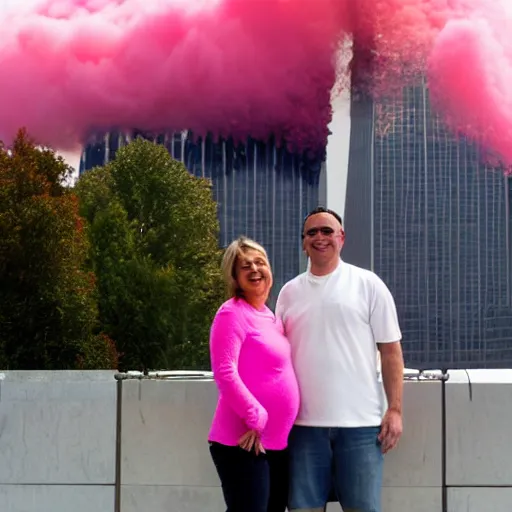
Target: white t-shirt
(333,323)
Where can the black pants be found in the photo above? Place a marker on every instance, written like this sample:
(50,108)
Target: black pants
(250,482)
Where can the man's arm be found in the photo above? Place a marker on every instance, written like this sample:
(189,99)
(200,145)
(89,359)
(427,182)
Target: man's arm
(387,336)
(392,363)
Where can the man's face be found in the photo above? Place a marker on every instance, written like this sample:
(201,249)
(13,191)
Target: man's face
(323,238)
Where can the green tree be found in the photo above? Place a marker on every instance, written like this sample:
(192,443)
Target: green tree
(153,230)
(48,311)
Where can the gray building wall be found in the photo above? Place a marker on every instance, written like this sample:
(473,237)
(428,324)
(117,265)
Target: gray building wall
(358,201)
(434,223)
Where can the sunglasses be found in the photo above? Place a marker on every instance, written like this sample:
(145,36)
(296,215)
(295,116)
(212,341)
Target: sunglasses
(324,230)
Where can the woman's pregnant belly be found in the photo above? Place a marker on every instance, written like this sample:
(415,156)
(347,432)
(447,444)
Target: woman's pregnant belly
(279,395)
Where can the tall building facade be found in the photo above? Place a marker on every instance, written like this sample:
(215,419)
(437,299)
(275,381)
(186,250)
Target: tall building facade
(434,222)
(421,209)
(262,191)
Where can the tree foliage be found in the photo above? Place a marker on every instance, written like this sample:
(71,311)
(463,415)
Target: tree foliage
(48,314)
(153,230)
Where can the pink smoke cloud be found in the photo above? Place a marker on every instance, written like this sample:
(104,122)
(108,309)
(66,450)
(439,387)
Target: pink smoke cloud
(470,73)
(230,67)
(242,67)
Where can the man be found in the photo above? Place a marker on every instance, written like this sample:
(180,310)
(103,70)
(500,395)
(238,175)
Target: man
(336,317)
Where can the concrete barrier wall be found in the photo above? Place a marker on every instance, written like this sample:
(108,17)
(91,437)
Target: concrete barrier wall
(58,449)
(479,448)
(57,441)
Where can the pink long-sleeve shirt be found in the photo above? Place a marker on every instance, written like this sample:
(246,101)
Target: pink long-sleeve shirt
(252,366)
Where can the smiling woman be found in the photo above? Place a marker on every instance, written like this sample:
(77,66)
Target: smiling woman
(258,391)
(247,272)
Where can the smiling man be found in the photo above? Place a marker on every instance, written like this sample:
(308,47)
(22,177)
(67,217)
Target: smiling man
(336,317)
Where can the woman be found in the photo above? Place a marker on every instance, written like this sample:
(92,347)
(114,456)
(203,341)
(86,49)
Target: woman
(258,391)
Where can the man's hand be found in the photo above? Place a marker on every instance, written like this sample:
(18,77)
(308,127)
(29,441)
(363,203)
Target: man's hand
(250,440)
(391,430)
(392,362)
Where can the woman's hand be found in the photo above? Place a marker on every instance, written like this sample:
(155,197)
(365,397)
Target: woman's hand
(250,440)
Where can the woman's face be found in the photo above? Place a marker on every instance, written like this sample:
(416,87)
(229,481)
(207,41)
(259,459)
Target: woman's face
(253,274)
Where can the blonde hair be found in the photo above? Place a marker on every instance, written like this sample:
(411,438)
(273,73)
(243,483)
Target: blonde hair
(234,250)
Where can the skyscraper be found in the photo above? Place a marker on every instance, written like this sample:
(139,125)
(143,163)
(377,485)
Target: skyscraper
(421,209)
(262,191)
(435,224)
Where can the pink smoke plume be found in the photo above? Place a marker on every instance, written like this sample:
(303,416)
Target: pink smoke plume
(244,67)
(229,67)
(470,76)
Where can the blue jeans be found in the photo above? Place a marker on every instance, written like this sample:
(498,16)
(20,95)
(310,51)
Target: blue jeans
(348,461)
